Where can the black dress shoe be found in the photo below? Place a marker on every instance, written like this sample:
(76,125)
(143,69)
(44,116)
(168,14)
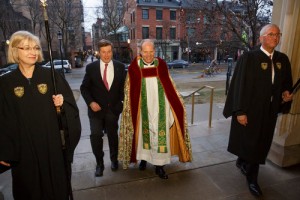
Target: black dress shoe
(159,170)
(143,165)
(99,171)
(114,166)
(254,189)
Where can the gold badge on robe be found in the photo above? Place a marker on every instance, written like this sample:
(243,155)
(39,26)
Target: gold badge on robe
(42,88)
(264,66)
(19,91)
(278,65)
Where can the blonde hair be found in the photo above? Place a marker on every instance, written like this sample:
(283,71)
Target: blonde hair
(14,42)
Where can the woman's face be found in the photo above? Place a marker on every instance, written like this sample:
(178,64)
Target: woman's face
(28,52)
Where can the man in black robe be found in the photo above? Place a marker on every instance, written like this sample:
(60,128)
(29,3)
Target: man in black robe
(30,140)
(260,84)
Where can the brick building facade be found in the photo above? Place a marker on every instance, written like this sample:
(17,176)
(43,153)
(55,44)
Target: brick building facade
(158,20)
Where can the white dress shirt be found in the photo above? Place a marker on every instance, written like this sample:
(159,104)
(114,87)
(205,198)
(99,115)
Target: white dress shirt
(109,72)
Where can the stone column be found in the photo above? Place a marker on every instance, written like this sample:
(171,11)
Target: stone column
(285,149)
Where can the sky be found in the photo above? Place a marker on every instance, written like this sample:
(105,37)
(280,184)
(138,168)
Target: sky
(89,7)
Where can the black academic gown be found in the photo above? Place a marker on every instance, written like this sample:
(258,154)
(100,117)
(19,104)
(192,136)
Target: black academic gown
(252,93)
(31,139)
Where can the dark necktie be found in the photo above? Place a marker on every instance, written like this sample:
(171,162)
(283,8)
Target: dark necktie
(104,77)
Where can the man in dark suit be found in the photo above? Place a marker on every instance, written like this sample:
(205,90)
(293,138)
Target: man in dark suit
(103,91)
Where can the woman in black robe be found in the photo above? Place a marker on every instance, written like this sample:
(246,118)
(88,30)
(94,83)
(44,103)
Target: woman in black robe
(30,142)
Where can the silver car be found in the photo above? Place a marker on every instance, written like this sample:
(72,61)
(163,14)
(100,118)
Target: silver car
(57,65)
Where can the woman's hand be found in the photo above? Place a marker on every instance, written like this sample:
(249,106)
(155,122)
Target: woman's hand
(58,100)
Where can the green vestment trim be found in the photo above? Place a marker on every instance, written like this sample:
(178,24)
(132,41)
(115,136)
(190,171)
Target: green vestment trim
(162,140)
(145,120)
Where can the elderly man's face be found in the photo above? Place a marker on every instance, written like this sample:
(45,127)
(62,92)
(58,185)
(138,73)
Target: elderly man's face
(148,52)
(270,39)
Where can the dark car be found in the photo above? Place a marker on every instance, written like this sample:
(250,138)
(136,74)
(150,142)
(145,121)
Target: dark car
(178,64)
(8,68)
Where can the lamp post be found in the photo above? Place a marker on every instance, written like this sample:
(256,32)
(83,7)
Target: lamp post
(129,48)
(4,43)
(179,32)
(188,35)
(188,39)
(59,37)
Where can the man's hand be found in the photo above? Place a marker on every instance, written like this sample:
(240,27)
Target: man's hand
(4,163)
(95,106)
(286,96)
(242,119)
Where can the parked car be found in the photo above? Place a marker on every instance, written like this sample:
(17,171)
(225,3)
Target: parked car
(178,64)
(8,68)
(57,65)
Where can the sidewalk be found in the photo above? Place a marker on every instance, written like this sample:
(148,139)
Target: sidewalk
(212,174)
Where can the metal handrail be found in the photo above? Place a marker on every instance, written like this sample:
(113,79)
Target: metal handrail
(193,102)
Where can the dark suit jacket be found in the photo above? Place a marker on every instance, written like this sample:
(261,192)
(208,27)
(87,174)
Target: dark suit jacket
(93,89)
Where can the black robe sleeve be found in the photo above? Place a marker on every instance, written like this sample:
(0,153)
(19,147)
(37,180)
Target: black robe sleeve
(240,88)
(70,117)
(9,144)
(287,82)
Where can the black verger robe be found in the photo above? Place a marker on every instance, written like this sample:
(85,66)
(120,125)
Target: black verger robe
(252,93)
(30,139)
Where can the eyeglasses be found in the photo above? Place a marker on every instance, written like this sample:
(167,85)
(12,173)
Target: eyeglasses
(272,35)
(36,48)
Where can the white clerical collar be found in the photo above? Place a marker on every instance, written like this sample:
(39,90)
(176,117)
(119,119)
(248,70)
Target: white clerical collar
(147,64)
(266,52)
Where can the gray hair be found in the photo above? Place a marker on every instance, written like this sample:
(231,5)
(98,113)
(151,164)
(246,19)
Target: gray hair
(147,41)
(266,28)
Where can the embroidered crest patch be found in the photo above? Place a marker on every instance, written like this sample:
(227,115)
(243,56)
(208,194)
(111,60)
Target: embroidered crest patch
(42,88)
(19,91)
(264,66)
(278,65)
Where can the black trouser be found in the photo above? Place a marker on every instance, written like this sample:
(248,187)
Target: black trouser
(110,123)
(252,172)
(251,169)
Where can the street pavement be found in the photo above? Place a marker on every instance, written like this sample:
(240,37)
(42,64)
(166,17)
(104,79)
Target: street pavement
(211,175)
